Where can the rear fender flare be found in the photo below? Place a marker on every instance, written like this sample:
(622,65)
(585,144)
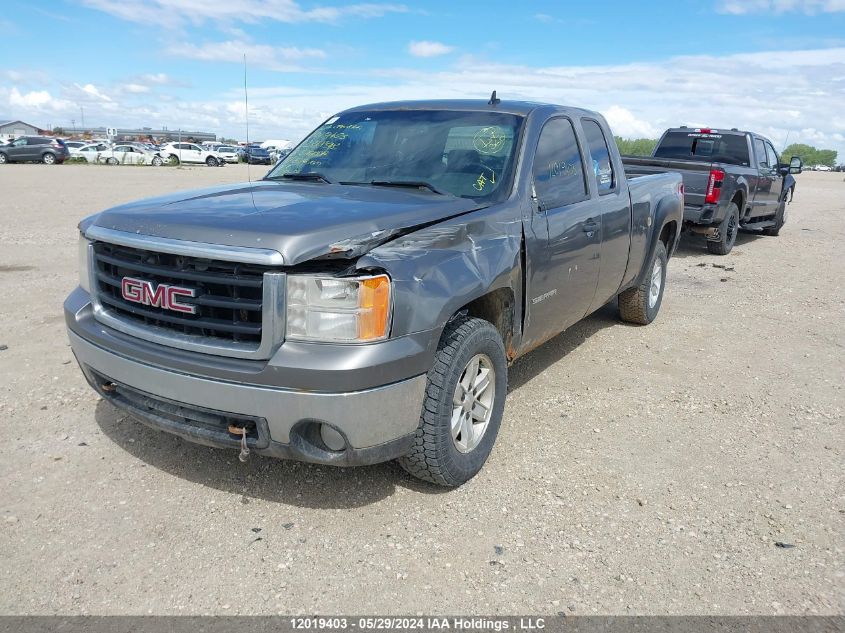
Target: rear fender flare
(668,210)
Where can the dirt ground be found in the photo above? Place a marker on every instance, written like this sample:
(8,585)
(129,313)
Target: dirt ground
(648,470)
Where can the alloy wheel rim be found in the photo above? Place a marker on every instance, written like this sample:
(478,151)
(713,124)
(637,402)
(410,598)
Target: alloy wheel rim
(473,403)
(656,283)
(732,229)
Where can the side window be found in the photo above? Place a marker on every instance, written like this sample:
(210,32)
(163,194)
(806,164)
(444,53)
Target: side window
(20,142)
(760,151)
(772,156)
(600,155)
(558,170)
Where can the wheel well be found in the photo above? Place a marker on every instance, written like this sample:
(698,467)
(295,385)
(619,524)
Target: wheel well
(739,201)
(497,307)
(667,235)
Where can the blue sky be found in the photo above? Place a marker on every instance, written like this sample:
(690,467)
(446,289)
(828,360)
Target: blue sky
(776,66)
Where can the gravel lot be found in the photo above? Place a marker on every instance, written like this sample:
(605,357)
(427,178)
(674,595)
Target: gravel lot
(638,469)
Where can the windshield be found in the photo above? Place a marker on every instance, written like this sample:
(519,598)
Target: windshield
(467,154)
(715,147)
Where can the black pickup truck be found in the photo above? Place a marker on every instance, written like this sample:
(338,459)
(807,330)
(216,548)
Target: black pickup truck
(732,180)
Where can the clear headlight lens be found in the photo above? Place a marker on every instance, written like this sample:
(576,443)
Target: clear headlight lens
(82,264)
(340,310)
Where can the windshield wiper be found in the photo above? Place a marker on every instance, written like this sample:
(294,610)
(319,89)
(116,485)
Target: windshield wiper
(412,184)
(312,176)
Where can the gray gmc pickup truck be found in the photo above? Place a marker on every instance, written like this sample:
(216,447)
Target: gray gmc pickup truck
(732,180)
(362,302)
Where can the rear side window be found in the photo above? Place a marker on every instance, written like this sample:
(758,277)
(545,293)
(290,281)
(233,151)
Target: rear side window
(558,170)
(600,155)
(760,150)
(718,148)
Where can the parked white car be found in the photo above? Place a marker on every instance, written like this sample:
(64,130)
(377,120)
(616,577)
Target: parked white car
(228,153)
(822,168)
(130,155)
(190,153)
(89,152)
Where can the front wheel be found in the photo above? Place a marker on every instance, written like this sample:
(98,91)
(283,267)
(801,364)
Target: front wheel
(157,161)
(463,405)
(211,161)
(3,158)
(111,161)
(725,238)
(642,303)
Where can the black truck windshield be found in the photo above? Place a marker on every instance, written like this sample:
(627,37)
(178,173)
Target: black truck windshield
(462,153)
(716,148)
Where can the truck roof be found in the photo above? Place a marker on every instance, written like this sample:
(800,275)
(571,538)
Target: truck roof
(522,108)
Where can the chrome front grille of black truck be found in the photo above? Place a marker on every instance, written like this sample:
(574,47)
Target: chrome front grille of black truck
(221,307)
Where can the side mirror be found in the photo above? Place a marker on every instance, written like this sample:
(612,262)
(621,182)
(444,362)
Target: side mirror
(795,165)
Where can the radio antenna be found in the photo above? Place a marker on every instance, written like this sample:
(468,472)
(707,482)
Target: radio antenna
(246,119)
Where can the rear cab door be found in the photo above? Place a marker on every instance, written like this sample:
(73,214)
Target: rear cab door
(608,188)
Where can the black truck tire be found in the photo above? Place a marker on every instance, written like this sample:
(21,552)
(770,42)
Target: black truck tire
(439,455)
(728,230)
(641,303)
(780,220)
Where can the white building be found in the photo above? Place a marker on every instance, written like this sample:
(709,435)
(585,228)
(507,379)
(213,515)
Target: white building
(13,129)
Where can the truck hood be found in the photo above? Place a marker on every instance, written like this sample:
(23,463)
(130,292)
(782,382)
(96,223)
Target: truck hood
(299,220)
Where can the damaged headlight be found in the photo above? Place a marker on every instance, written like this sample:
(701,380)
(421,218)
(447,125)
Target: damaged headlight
(338,309)
(82,264)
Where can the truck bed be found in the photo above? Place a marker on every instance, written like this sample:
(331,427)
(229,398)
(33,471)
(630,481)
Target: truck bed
(694,172)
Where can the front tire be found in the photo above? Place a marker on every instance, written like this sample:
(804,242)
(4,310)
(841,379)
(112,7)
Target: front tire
(463,406)
(211,161)
(728,230)
(156,161)
(3,158)
(111,161)
(48,159)
(642,303)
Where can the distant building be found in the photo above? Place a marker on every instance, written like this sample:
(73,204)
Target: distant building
(13,129)
(144,133)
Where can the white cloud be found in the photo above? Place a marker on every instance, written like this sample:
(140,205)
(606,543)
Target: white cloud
(272,57)
(801,96)
(135,88)
(175,13)
(428,49)
(34,99)
(741,7)
(161,79)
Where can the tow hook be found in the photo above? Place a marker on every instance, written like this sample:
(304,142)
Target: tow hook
(238,430)
(108,387)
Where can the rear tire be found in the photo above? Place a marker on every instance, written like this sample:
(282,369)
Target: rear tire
(173,160)
(780,220)
(641,304)
(728,230)
(460,416)
(48,159)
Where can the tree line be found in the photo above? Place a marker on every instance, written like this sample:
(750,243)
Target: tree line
(809,154)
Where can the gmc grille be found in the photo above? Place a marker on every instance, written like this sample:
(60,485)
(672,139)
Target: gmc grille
(229,295)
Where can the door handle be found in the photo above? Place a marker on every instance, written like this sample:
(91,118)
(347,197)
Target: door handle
(590,227)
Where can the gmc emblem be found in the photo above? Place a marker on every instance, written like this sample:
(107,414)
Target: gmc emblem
(160,296)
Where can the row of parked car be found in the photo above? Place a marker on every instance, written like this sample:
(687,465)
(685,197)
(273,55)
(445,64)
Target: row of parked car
(51,151)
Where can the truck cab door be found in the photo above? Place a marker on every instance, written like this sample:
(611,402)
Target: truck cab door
(564,267)
(766,195)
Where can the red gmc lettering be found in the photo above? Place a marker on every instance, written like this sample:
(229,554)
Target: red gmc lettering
(159,296)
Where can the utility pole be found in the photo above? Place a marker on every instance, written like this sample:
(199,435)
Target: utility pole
(82,113)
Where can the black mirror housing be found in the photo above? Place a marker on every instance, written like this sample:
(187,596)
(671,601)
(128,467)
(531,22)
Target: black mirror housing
(795,165)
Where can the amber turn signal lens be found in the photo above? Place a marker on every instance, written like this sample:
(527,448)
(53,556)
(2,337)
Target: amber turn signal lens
(374,305)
